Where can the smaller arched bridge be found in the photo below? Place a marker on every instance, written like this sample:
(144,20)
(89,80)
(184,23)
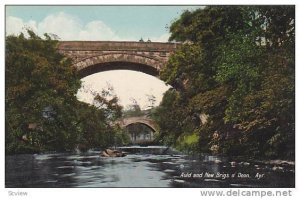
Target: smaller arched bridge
(139,135)
(124,122)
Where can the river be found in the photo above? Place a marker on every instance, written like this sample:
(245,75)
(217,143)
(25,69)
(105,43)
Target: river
(143,167)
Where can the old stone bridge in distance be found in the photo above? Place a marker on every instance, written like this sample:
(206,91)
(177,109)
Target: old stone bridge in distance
(90,57)
(124,122)
(141,136)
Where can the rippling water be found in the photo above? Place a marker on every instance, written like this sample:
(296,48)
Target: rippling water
(141,170)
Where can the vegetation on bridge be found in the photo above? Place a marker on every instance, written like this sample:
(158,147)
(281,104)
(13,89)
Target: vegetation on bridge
(234,82)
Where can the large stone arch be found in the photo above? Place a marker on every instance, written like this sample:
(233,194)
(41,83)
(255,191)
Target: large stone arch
(114,61)
(90,57)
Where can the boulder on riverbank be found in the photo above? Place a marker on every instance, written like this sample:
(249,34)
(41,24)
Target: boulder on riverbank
(112,153)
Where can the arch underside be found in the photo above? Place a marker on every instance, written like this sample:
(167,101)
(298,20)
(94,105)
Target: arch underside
(118,65)
(114,61)
(153,128)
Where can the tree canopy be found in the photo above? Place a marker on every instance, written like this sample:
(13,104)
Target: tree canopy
(42,112)
(233,80)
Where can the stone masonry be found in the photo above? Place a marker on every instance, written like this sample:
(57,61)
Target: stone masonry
(95,56)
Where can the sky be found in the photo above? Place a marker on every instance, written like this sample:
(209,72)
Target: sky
(95,22)
(108,23)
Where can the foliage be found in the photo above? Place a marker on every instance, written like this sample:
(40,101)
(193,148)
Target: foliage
(188,142)
(133,111)
(237,68)
(42,112)
(40,89)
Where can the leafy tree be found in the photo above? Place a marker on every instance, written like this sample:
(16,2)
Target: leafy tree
(236,68)
(97,130)
(42,111)
(37,78)
(151,100)
(133,110)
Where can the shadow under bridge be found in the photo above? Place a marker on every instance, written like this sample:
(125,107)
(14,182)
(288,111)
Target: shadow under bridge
(140,129)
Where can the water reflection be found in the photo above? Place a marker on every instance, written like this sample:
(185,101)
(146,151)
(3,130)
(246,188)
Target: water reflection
(141,170)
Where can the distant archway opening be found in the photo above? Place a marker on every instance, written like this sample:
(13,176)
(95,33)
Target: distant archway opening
(140,133)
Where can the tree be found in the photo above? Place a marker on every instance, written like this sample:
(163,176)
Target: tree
(151,99)
(236,67)
(133,110)
(42,112)
(37,78)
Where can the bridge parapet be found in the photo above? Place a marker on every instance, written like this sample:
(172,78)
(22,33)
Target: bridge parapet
(117,45)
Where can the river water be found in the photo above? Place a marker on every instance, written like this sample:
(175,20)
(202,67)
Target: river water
(142,167)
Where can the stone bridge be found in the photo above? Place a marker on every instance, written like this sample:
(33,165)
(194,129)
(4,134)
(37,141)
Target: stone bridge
(141,119)
(91,57)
